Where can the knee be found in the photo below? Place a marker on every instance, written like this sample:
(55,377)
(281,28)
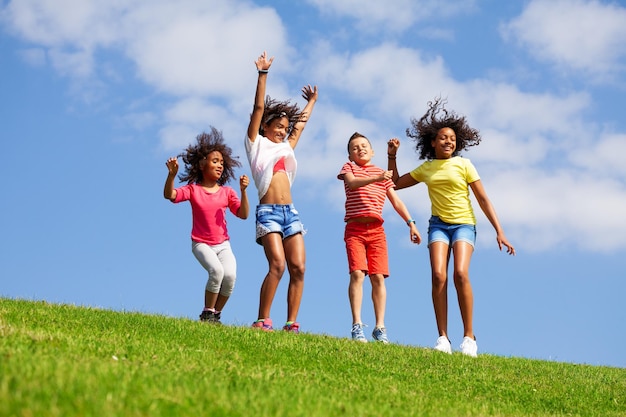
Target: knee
(461,278)
(357,277)
(228,284)
(277,268)
(296,271)
(439,278)
(377,281)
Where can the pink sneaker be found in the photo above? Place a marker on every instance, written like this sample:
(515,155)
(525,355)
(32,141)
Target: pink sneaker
(263,324)
(293,327)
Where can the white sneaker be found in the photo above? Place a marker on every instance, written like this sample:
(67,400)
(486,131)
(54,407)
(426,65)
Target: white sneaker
(469,347)
(443,345)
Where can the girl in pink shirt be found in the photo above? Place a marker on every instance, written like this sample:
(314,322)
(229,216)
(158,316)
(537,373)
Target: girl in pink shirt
(208,166)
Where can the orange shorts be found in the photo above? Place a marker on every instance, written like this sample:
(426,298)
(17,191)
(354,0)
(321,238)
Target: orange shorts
(366,245)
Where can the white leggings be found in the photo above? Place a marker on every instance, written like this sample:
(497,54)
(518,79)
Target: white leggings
(220,263)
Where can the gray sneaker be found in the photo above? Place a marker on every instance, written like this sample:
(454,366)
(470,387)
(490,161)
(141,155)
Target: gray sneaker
(357,333)
(211,317)
(380,335)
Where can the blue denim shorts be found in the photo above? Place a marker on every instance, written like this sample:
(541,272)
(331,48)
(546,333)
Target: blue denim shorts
(280,218)
(440,231)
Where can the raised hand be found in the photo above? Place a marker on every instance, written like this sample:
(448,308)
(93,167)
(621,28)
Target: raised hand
(309,93)
(392,146)
(172,165)
(262,63)
(243,182)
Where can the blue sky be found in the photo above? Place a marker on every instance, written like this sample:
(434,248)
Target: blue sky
(96,95)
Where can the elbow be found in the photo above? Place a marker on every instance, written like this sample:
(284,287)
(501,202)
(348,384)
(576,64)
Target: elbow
(243,214)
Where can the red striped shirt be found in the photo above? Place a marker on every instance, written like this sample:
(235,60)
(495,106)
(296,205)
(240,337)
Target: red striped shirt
(366,201)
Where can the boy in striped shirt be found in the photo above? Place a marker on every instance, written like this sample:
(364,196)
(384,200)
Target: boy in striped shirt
(367,186)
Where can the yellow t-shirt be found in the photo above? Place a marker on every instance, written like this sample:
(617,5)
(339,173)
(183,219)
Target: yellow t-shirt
(447,181)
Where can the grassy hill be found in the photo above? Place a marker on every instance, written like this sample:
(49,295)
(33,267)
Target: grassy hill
(61,360)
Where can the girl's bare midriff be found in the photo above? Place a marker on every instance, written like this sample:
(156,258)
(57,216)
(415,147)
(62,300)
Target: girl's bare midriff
(279,191)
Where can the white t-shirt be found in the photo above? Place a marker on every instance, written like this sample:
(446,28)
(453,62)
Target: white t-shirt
(263,155)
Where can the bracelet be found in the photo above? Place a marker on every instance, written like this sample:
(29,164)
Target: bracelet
(390,156)
(263,71)
(408,222)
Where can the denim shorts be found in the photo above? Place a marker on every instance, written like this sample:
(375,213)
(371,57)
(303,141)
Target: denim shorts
(440,231)
(281,218)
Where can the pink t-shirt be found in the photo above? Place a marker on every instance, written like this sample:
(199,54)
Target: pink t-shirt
(209,211)
(366,201)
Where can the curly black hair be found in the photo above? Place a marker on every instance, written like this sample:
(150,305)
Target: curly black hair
(424,130)
(205,144)
(274,108)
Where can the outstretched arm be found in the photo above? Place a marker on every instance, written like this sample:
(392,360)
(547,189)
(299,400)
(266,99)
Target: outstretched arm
(244,208)
(262,65)
(172,169)
(401,209)
(490,212)
(405,180)
(310,95)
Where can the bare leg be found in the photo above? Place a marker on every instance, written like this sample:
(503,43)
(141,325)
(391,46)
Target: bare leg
(210,299)
(462,256)
(355,295)
(439,258)
(221,302)
(296,261)
(275,254)
(379,298)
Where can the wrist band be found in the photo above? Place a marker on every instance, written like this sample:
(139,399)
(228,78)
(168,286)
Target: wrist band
(263,71)
(408,222)
(389,156)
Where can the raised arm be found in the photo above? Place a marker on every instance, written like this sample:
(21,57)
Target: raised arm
(310,95)
(262,65)
(405,180)
(172,169)
(244,208)
(490,212)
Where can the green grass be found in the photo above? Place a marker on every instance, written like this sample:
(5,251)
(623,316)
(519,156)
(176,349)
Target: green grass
(61,360)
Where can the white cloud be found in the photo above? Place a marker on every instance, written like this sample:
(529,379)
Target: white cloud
(584,35)
(529,141)
(60,22)
(551,176)
(181,48)
(203,49)
(544,210)
(378,16)
(186,118)
(603,157)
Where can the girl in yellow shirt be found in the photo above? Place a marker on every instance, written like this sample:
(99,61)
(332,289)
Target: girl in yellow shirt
(439,136)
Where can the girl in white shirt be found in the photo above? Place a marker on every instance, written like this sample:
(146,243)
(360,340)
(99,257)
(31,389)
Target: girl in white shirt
(273,133)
